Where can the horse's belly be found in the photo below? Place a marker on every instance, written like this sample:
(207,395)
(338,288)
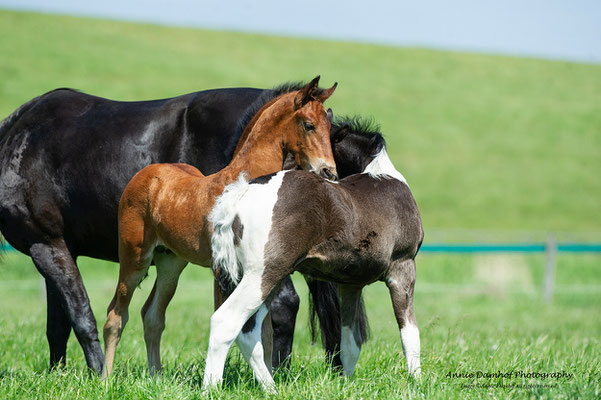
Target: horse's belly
(353,272)
(195,249)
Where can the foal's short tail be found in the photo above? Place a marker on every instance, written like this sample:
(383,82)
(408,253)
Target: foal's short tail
(225,262)
(325,308)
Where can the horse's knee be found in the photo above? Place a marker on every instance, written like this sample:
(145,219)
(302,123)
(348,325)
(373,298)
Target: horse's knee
(114,324)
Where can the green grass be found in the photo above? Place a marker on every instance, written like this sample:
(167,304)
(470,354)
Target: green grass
(485,141)
(499,324)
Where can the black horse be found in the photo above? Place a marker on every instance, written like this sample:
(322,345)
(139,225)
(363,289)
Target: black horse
(65,158)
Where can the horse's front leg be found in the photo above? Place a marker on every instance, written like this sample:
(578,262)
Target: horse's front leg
(350,334)
(400,282)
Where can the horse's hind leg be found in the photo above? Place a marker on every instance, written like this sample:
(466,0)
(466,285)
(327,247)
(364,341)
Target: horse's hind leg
(169,269)
(284,308)
(250,343)
(267,340)
(68,303)
(350,333)
(226,324)
(400,282)
(326,306)
(135,256)
(267,330)
(58,327)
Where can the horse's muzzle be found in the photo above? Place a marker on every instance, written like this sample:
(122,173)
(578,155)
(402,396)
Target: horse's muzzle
(328,174)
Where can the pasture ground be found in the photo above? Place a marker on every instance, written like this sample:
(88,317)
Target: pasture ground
(472,317)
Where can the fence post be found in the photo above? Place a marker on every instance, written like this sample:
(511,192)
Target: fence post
(549,279)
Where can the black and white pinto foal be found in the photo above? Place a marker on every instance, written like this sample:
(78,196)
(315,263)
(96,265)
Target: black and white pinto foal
(361,229)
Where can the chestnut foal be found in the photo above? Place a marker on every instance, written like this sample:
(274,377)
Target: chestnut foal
(164,209)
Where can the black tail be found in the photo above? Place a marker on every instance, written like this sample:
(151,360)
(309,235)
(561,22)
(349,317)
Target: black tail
(325,308)
(9,121)
(5,126)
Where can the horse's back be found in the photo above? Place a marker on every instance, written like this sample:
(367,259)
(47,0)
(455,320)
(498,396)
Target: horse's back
(360,216)
(152,181)
(387,209)
(66,156)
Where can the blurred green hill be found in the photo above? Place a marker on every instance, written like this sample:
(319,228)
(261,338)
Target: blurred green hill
(484,141)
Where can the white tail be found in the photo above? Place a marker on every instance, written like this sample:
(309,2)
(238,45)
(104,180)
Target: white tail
(222,217)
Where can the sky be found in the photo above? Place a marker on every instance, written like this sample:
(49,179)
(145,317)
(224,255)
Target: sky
(554,29)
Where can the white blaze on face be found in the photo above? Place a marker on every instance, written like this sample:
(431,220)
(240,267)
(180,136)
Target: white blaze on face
(381,166)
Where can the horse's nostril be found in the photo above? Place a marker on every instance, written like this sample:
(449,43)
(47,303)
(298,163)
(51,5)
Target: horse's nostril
(326,173)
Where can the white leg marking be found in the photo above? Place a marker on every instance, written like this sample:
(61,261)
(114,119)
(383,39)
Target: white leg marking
(349,350)
(251,347)
(410,341)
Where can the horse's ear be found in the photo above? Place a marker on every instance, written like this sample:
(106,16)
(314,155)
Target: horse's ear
(339,134)
(325,94)
(306,93)
(330,115)
(376,144)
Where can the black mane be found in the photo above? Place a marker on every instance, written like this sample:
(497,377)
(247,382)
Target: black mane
(251,110)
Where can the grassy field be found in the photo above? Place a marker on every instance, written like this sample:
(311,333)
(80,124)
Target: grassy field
(487,142)
(498,324)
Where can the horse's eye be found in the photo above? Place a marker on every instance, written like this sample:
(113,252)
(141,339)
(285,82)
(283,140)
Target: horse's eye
(308,126)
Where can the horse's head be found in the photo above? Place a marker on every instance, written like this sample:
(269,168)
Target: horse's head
(355,143)
(305,127)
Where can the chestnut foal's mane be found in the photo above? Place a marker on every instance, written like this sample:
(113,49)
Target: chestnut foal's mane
(251,112)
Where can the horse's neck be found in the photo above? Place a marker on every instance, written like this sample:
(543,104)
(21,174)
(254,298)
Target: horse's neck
(261,154)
